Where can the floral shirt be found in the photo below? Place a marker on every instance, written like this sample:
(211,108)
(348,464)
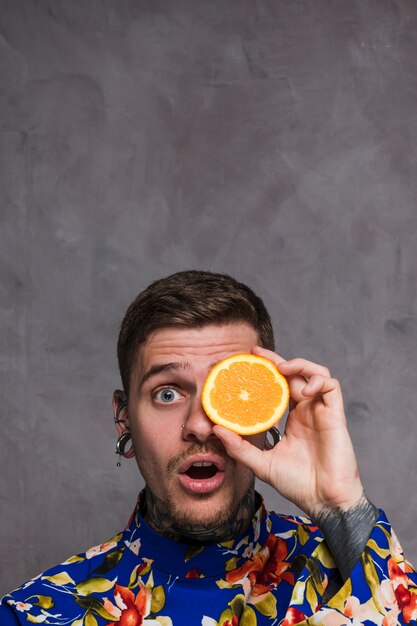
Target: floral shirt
(279,572)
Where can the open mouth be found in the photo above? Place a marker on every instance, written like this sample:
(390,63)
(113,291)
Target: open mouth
(202,475)
(202,470)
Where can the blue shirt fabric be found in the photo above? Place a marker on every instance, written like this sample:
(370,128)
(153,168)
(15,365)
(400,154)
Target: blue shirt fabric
(278,572)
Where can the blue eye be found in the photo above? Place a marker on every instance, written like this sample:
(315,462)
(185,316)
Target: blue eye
(167,395)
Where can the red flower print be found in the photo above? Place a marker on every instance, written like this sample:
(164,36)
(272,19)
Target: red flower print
(194,573)
(266,569)
(293,616)
(133,609)
(406,600)
(402,595)
(233,622)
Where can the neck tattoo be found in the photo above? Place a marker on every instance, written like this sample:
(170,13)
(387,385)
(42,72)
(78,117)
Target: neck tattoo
(158,516)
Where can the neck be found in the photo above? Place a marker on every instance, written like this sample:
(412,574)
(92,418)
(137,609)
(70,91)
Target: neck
(158,516)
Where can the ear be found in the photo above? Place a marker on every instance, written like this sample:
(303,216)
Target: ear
(120,415)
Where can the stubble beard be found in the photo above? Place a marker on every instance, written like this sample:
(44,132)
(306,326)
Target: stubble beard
(184,523)
(203,520)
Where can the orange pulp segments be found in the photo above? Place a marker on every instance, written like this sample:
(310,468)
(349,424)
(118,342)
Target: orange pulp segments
(245,393)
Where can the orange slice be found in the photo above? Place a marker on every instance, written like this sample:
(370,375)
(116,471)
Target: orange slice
(245,393)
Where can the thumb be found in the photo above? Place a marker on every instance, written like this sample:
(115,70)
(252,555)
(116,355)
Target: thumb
(241,450)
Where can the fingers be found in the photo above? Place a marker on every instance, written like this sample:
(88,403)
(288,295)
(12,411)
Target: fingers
(328,388)
(299,368)
(302,367)
(242,451)
(306,378)
(311,379)
(268,354)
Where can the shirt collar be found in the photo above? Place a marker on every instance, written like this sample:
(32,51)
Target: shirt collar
(194,561)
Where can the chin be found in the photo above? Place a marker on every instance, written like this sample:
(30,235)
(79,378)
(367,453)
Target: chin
(203,510)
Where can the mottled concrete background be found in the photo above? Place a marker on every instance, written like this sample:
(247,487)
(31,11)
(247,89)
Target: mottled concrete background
(274,140)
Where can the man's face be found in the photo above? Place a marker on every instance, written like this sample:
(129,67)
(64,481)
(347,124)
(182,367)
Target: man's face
(186,466)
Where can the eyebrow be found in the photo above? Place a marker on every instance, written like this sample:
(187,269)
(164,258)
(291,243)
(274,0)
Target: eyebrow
(163,367)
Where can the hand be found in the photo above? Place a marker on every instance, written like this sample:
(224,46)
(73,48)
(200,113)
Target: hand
(314,466)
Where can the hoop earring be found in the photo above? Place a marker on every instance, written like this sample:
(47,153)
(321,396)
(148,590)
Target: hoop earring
(121,444)
(274,434)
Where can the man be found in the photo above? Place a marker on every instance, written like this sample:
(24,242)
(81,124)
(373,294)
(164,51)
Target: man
(200,548)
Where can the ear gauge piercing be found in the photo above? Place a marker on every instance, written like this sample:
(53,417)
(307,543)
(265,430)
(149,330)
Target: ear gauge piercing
(121,444)
(273,436)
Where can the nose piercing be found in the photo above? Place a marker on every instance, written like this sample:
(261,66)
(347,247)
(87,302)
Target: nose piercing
(182,425)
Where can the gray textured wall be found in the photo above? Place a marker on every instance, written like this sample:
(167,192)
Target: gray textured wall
(274,140)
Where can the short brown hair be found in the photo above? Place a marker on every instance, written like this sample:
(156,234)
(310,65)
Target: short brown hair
(189,299)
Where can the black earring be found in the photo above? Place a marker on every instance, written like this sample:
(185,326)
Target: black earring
(273,436)
(121,444)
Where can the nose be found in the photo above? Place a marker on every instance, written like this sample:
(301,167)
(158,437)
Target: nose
(197,426)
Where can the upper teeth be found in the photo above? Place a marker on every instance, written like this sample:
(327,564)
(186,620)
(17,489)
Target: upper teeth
(202,463)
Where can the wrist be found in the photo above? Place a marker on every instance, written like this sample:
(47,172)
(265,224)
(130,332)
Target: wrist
(341,503)
(347,531)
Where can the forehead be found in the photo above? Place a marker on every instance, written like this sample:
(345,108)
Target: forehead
(208,343)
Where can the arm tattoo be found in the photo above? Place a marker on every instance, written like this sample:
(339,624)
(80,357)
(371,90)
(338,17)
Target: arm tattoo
(346,532)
